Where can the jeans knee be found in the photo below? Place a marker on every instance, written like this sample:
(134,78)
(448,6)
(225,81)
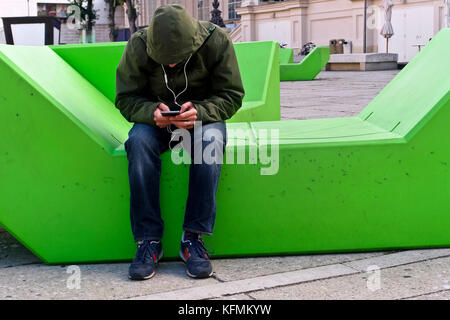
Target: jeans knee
(209,146)
(218,130)
(142,138)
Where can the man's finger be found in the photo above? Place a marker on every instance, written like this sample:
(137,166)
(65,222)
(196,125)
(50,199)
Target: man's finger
(191,118)
(159,120)
(186,115)
(163,119)
(179,124)
(162,124)
(163,107)
(186,106)
(183,124)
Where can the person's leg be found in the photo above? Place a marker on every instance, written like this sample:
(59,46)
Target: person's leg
(204,177)
(144,146)
(207,150)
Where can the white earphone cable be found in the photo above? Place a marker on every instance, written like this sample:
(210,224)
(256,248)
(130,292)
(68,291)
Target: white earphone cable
(175,96)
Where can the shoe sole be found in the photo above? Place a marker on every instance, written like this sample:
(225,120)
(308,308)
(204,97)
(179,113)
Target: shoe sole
(142,278)
(151,275)
(200,276)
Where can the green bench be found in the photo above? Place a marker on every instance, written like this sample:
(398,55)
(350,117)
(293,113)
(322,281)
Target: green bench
(376,181)
(258,70)
(308,68)
(65,191)
(286,55)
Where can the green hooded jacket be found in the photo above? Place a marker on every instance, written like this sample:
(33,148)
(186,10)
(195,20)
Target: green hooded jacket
(212,80)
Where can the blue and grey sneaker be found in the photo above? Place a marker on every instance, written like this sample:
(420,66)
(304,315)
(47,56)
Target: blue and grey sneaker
(147,257)
(196,257)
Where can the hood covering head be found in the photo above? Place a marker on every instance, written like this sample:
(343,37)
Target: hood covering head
(173,35)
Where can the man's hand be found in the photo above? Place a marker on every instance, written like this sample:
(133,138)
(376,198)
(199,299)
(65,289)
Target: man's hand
(187,116)
(160,120)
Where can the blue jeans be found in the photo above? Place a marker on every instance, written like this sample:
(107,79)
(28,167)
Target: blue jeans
(144,146)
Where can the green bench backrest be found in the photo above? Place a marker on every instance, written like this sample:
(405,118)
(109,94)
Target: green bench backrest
(286,55)
(97,63)
(69,91)
(410,97)
(318,56)
(255,61)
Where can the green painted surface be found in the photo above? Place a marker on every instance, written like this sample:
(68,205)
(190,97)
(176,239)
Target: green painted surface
(344,184)
(286,55)
(308,68)
(97,63)
(261,79)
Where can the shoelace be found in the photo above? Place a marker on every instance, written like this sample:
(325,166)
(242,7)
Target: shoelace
(199,247)
(145,248)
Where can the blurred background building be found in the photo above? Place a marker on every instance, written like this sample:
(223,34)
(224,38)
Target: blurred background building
(290,22)
(296,22)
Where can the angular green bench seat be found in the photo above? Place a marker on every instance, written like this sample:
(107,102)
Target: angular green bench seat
(373,182)
(308,68)
(57,108)
(286,55)
(259,72)
(352,130)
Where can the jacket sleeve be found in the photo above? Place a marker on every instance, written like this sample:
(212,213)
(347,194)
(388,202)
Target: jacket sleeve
(132,82)
(227,89)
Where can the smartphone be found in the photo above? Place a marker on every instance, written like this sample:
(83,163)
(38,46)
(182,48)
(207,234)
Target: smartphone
(170,113)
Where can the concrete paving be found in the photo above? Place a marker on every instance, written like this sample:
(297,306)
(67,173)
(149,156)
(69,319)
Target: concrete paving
(412,274)
(402,282)
(332,94)
(336,281)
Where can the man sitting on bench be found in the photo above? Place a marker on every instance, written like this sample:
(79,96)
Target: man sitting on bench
(187,66)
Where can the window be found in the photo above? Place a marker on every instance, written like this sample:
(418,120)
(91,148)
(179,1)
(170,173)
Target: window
(232,5)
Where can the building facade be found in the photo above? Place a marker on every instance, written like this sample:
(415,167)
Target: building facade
(296,22)
(291,22)
(199,9)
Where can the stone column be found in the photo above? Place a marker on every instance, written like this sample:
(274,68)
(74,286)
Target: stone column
(248,27)
(299,32)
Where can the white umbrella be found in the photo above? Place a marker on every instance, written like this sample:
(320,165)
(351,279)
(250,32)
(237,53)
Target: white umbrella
(387,31)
